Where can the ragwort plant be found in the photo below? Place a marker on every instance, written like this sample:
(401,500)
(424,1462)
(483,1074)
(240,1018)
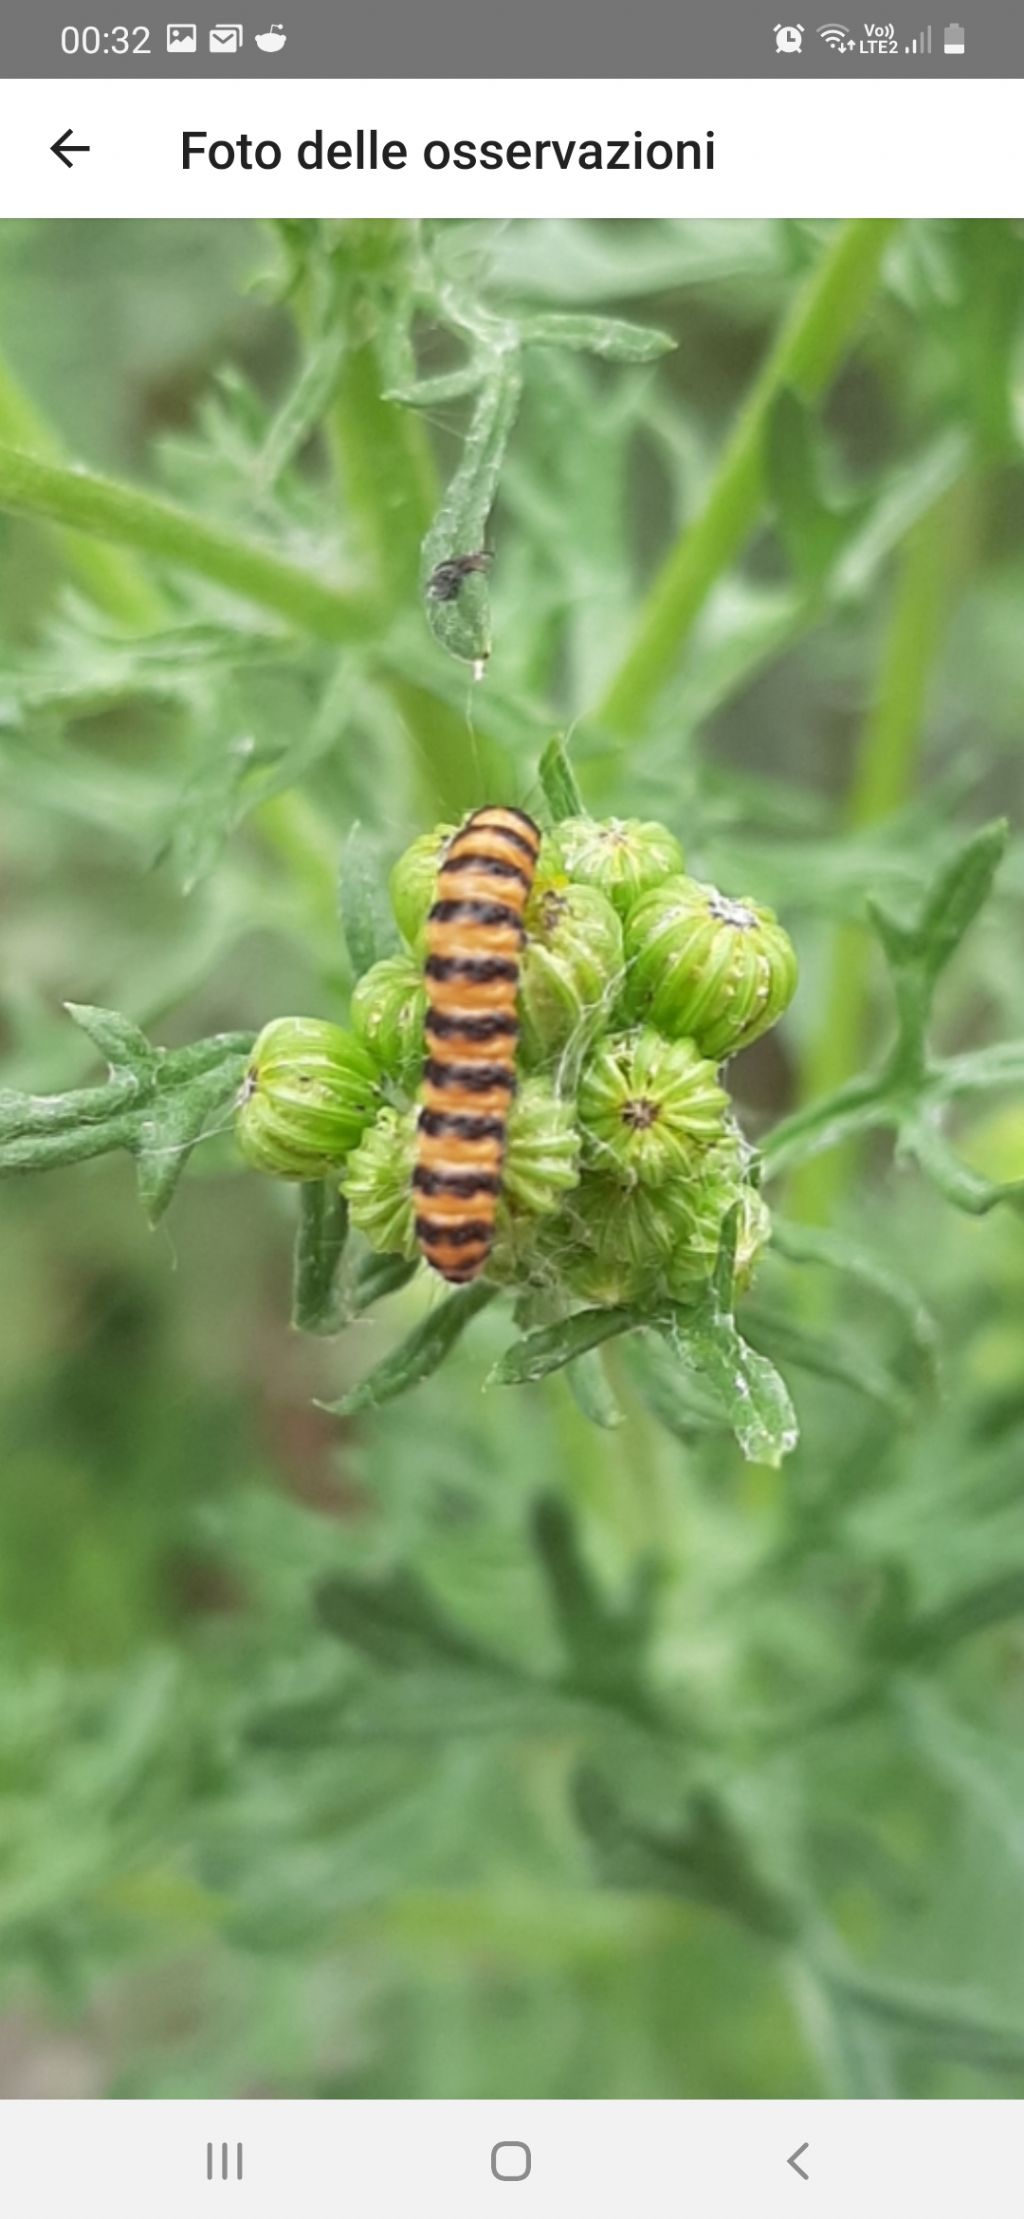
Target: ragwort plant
(319,694)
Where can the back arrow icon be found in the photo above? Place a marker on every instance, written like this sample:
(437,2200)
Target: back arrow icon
(63,149)
(793,2161)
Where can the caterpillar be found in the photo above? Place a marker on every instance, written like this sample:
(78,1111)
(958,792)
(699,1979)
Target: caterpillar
(475,935)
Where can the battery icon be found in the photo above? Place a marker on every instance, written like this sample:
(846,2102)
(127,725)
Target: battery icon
(953,38)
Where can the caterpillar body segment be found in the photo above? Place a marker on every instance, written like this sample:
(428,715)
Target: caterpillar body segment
(475,937)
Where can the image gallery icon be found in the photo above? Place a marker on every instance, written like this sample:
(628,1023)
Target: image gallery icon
(225,38)
(181,38)
(271,42)
(789,38)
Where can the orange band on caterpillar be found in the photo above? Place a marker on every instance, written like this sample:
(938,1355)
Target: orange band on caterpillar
(475,935)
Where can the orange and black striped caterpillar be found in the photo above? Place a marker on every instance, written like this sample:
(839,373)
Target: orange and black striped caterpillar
(475,935)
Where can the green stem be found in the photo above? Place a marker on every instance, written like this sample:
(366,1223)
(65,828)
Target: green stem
(386,472)
(807,351)
(124,592)
(381,450)
(883,781)
(105,510)
(113,584)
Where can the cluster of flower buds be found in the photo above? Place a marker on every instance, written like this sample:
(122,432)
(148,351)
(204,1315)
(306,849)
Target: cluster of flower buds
(623,1156)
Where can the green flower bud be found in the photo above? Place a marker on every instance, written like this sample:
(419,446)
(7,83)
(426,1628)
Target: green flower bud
(413,881)
(541,1167)
(309,1092)
(707,1203)
(649,1106)
(652,1246)
(619,1240)
(387,1011)
(704,968)
(378,1183)
(414,878)
(542,1160)
(571,971)
(623,857)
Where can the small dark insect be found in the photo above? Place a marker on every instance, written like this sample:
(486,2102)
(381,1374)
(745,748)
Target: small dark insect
(446,582)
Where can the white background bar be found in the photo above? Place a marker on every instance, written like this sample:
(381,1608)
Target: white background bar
(797,149)
(588,2160)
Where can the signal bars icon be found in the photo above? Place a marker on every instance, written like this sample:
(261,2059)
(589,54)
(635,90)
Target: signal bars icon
(223,2169)
(921,44)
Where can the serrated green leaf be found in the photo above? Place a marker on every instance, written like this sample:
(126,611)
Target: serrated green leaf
(919,948)
(317,1302)
(419,1354)
(118,1039)
(168,1131)
(157,1105)
(751,1396)
(703,1857)
(558,780)
(462,624)
(207,809)
(958,893)
(607,336)
(546,1351)
(366,920)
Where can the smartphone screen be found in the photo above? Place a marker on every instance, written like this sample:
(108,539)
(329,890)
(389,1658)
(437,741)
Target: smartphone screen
(511,1130)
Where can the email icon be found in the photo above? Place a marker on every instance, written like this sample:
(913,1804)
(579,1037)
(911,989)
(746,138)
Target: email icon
(225,38)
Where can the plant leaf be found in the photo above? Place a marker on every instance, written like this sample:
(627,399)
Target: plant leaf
(703,1856)
(121,1042)
(836,1356)
(589,1387)
(558,779)
(304,406)
(939,2024)
(751,1396)
(156,1105)
(395,1621)
(607,1644)
(317,1305)
(366,920)
(967,1189)
(820,1245)
(539,1353)
(374,1278)
(418,1355)
(462,625)
(607,336)
(811,524)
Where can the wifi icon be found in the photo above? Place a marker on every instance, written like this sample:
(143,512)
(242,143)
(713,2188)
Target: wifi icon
(835,35)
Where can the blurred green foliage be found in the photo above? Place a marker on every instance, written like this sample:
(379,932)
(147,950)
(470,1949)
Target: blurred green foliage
(461,1748)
